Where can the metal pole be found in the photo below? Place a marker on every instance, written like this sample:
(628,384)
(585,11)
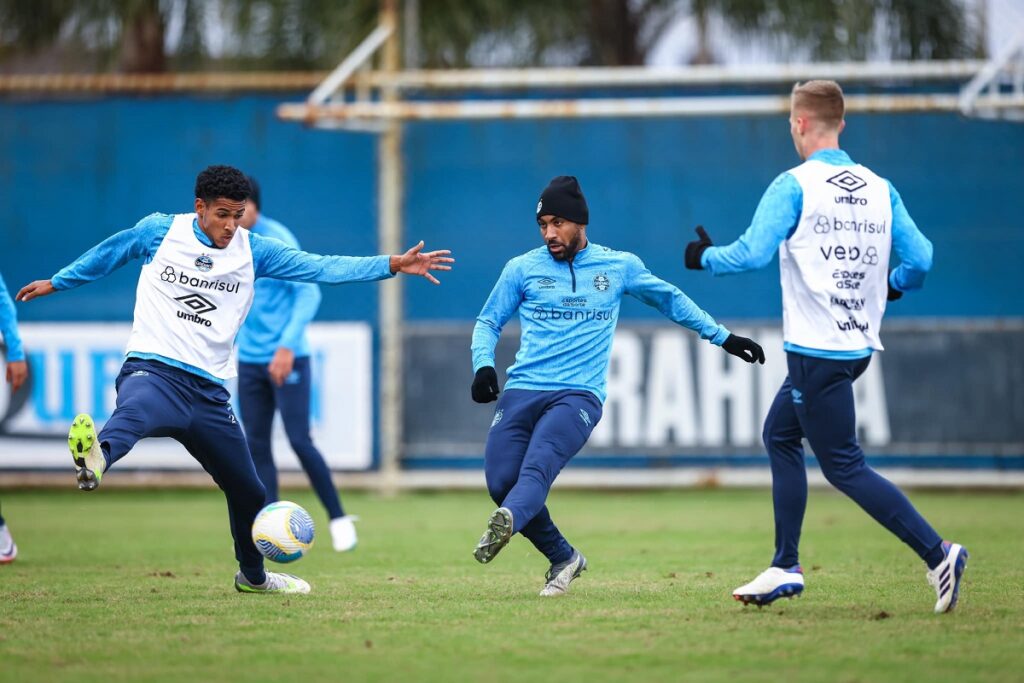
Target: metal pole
(412,34)
(390,176)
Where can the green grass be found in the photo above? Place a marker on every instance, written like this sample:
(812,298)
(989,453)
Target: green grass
(136,586)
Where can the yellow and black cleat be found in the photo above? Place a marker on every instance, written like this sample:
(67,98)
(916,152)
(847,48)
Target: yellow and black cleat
(86,452)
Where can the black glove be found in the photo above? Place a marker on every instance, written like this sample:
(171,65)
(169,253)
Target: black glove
(485,385)
(894,293)
(695,249)
(747,349)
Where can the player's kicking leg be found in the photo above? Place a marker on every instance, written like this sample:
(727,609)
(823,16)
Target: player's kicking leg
(496,537)
(86,452)
(215,439)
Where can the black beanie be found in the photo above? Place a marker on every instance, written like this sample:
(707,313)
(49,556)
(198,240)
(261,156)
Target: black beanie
(564,198)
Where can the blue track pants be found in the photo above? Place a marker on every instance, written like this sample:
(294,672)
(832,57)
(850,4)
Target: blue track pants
(154,399)
(816,402)
(533,435)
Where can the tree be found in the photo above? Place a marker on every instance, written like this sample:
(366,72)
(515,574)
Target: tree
(132,35)
(844,30)
(130,32)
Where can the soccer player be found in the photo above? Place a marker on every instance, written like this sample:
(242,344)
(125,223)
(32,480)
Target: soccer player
(568,294)
(17,372)
(274,374)
(834,223)
(195,287)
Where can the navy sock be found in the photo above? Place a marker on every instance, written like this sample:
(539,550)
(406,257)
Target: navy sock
(256,577)
(934,557)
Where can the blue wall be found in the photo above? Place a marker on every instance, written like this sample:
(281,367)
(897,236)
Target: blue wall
(73,171)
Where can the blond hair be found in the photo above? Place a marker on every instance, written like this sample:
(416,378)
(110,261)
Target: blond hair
(821,101)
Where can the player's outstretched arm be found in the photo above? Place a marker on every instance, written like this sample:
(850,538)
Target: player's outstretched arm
(273,258)
(104,258)
(419,262)
(776,216)
(680,309)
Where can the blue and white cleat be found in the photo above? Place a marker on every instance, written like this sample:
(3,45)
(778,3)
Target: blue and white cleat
(770,585)
(945,578)
(8,548)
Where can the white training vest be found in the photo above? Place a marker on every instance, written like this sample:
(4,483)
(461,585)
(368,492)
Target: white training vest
(835,266)
(192,299)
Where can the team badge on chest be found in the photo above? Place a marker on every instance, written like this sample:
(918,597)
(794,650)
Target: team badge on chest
(204,263)
(601,282)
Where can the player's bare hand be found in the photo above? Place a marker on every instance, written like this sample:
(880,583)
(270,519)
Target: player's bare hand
(34,290)
(419,262)
(281,365)
(17,373)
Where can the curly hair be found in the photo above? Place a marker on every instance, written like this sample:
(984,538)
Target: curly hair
(227,182)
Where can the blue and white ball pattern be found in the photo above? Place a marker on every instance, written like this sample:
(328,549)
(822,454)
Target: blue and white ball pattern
(283,531)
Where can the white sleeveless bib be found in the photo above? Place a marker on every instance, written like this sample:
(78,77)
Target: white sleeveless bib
(835,266)
(192,299)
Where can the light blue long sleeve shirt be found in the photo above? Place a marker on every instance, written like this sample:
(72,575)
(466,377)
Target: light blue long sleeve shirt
(271,258)
(9,325)
(568,312)
(280,311)
(776,219)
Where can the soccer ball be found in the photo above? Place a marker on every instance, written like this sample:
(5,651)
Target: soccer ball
(283,531)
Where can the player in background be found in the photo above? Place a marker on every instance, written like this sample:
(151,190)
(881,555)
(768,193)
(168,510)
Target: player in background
(568,294)
(17,372)
(274,375)
(834,223)
(195,288)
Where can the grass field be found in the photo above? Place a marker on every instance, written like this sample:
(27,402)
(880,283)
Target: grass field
(136,586)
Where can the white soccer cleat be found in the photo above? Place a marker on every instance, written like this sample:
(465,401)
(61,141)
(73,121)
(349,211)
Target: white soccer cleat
(559,576)
(945,578)
(276,582)
(343,533)
(770,585)
(8,549)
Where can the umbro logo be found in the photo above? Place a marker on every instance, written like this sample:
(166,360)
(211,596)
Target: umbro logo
(546,283)
(197,303)
(847,181)
(585,416)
